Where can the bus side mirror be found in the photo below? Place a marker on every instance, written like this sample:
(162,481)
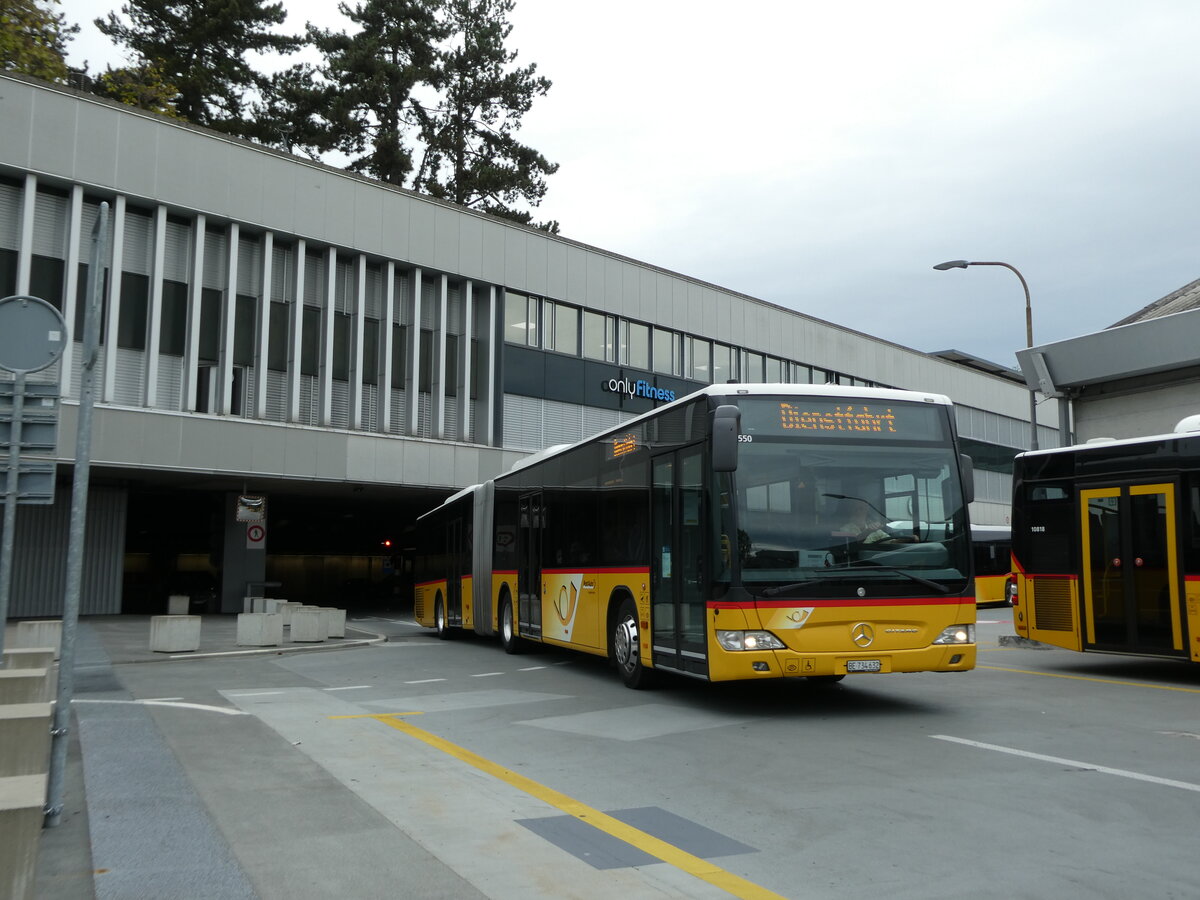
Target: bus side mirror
(726,422)
(967,466)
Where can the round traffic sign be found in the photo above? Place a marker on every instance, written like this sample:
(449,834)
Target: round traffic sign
(32,334)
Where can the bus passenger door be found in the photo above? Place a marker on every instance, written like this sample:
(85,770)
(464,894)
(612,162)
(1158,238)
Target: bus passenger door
(678,582)
(1130,568)
(455,570)
(529,565)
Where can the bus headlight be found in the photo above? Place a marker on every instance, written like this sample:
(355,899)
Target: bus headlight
(749,640)
(957,634)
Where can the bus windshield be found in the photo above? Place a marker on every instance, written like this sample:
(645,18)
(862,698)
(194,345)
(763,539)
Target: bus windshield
(810,515)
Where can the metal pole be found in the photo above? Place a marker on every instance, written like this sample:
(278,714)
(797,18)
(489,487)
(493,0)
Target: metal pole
(11,492)
(60,728)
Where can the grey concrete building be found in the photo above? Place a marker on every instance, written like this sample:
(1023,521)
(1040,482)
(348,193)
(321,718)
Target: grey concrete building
(352,352)
(1140,376)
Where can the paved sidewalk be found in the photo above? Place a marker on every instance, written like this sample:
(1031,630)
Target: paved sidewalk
(127,795)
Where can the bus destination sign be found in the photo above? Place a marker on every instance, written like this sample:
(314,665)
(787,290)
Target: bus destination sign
(859,418)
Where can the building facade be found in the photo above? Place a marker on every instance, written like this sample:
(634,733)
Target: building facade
(351,352)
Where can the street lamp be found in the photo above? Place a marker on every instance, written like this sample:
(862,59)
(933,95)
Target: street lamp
(962,264)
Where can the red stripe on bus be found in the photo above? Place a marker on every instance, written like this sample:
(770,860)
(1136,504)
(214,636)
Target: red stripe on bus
(597,570)
(852,601)
(435,581)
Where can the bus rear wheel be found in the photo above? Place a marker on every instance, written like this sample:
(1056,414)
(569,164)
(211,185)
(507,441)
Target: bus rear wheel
(626,647)
(508,628)
(439,619)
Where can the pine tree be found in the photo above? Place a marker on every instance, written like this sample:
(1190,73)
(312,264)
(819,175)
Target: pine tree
(370,79)
(33,39)
(200,47)
(140,86)
(472,156)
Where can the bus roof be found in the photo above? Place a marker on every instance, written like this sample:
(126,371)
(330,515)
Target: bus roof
(749,390)
(1100,444)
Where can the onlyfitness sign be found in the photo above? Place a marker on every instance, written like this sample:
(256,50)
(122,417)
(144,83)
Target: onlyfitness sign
(639,388)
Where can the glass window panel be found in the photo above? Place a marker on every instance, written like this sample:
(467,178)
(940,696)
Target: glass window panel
(699,359)
(520,320)
(666,351)
(754,367)
(596,339)
(172,336)
(451,369)
(774,370)
(341,347)
(722,368)
(636,351)
(566,329)
(46,280)
(277,337)
(310,341)
(399,351)
(245,327)
(131,325)
(370,373)
(425,384)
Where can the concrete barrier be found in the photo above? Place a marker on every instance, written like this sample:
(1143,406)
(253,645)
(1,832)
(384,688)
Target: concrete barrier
(24,686)
(39,633)
(28,657)
(335,621)
(24,739)
(22,805)
(287,607)
(174,634)
(253,604)
(260,629)
(308,625)
(179,605)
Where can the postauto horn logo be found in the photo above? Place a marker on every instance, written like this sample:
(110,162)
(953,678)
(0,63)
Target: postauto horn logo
(639,388)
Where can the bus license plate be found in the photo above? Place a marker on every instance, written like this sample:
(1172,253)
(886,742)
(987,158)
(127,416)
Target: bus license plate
(863,665)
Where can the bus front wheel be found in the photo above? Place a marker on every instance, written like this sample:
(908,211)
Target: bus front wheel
(625,647)
(508,627)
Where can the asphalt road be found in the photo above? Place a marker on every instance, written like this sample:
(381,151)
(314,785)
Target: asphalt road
(427,768)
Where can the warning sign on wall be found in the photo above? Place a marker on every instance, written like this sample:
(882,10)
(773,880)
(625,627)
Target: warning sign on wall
(256,537)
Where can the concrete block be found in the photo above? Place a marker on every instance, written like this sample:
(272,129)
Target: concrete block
(24,739)
(287,607)
(24,686)
(253,604)
(260,629)
(22,804)
(308,626)
(179,605)
(335,621)
(28,657)
(273,604)
(174,634)
(39,633)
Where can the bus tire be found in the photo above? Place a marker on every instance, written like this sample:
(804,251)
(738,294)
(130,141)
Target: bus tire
(440,622)
(508,627)
(625,647)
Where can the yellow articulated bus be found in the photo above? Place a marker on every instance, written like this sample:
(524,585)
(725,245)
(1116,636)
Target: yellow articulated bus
(1106,545)
(992,550)
(742,532)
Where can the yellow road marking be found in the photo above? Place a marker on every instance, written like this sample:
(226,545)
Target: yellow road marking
(1159,687)
(668,853)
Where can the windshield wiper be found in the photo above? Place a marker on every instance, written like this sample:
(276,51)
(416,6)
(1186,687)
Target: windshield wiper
(907,574)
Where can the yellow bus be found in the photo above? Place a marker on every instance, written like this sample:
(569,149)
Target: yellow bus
(1106,545)
(731,534)
(992,550)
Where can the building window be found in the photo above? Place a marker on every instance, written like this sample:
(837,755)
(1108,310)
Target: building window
(451,368)
(341,346)
(698,359)
(245,319)
(560,325)
(45,280)
(310,341)
(399,350)
(425,382)
(599,336)
(370,372)
(801,374)
(666,351)
(635,345)
(722,366)
(753,371)
(131,324)
(277,337)
(172,336)
(520,319)
(774,370)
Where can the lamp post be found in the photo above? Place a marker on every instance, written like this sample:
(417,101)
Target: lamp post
(962,264)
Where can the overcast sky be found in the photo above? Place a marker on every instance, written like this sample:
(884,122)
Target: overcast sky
(823,156)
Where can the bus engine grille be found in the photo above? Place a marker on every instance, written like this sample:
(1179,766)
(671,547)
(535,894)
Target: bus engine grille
(1052,604)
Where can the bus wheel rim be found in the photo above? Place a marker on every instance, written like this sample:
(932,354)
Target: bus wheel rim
(627,643)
